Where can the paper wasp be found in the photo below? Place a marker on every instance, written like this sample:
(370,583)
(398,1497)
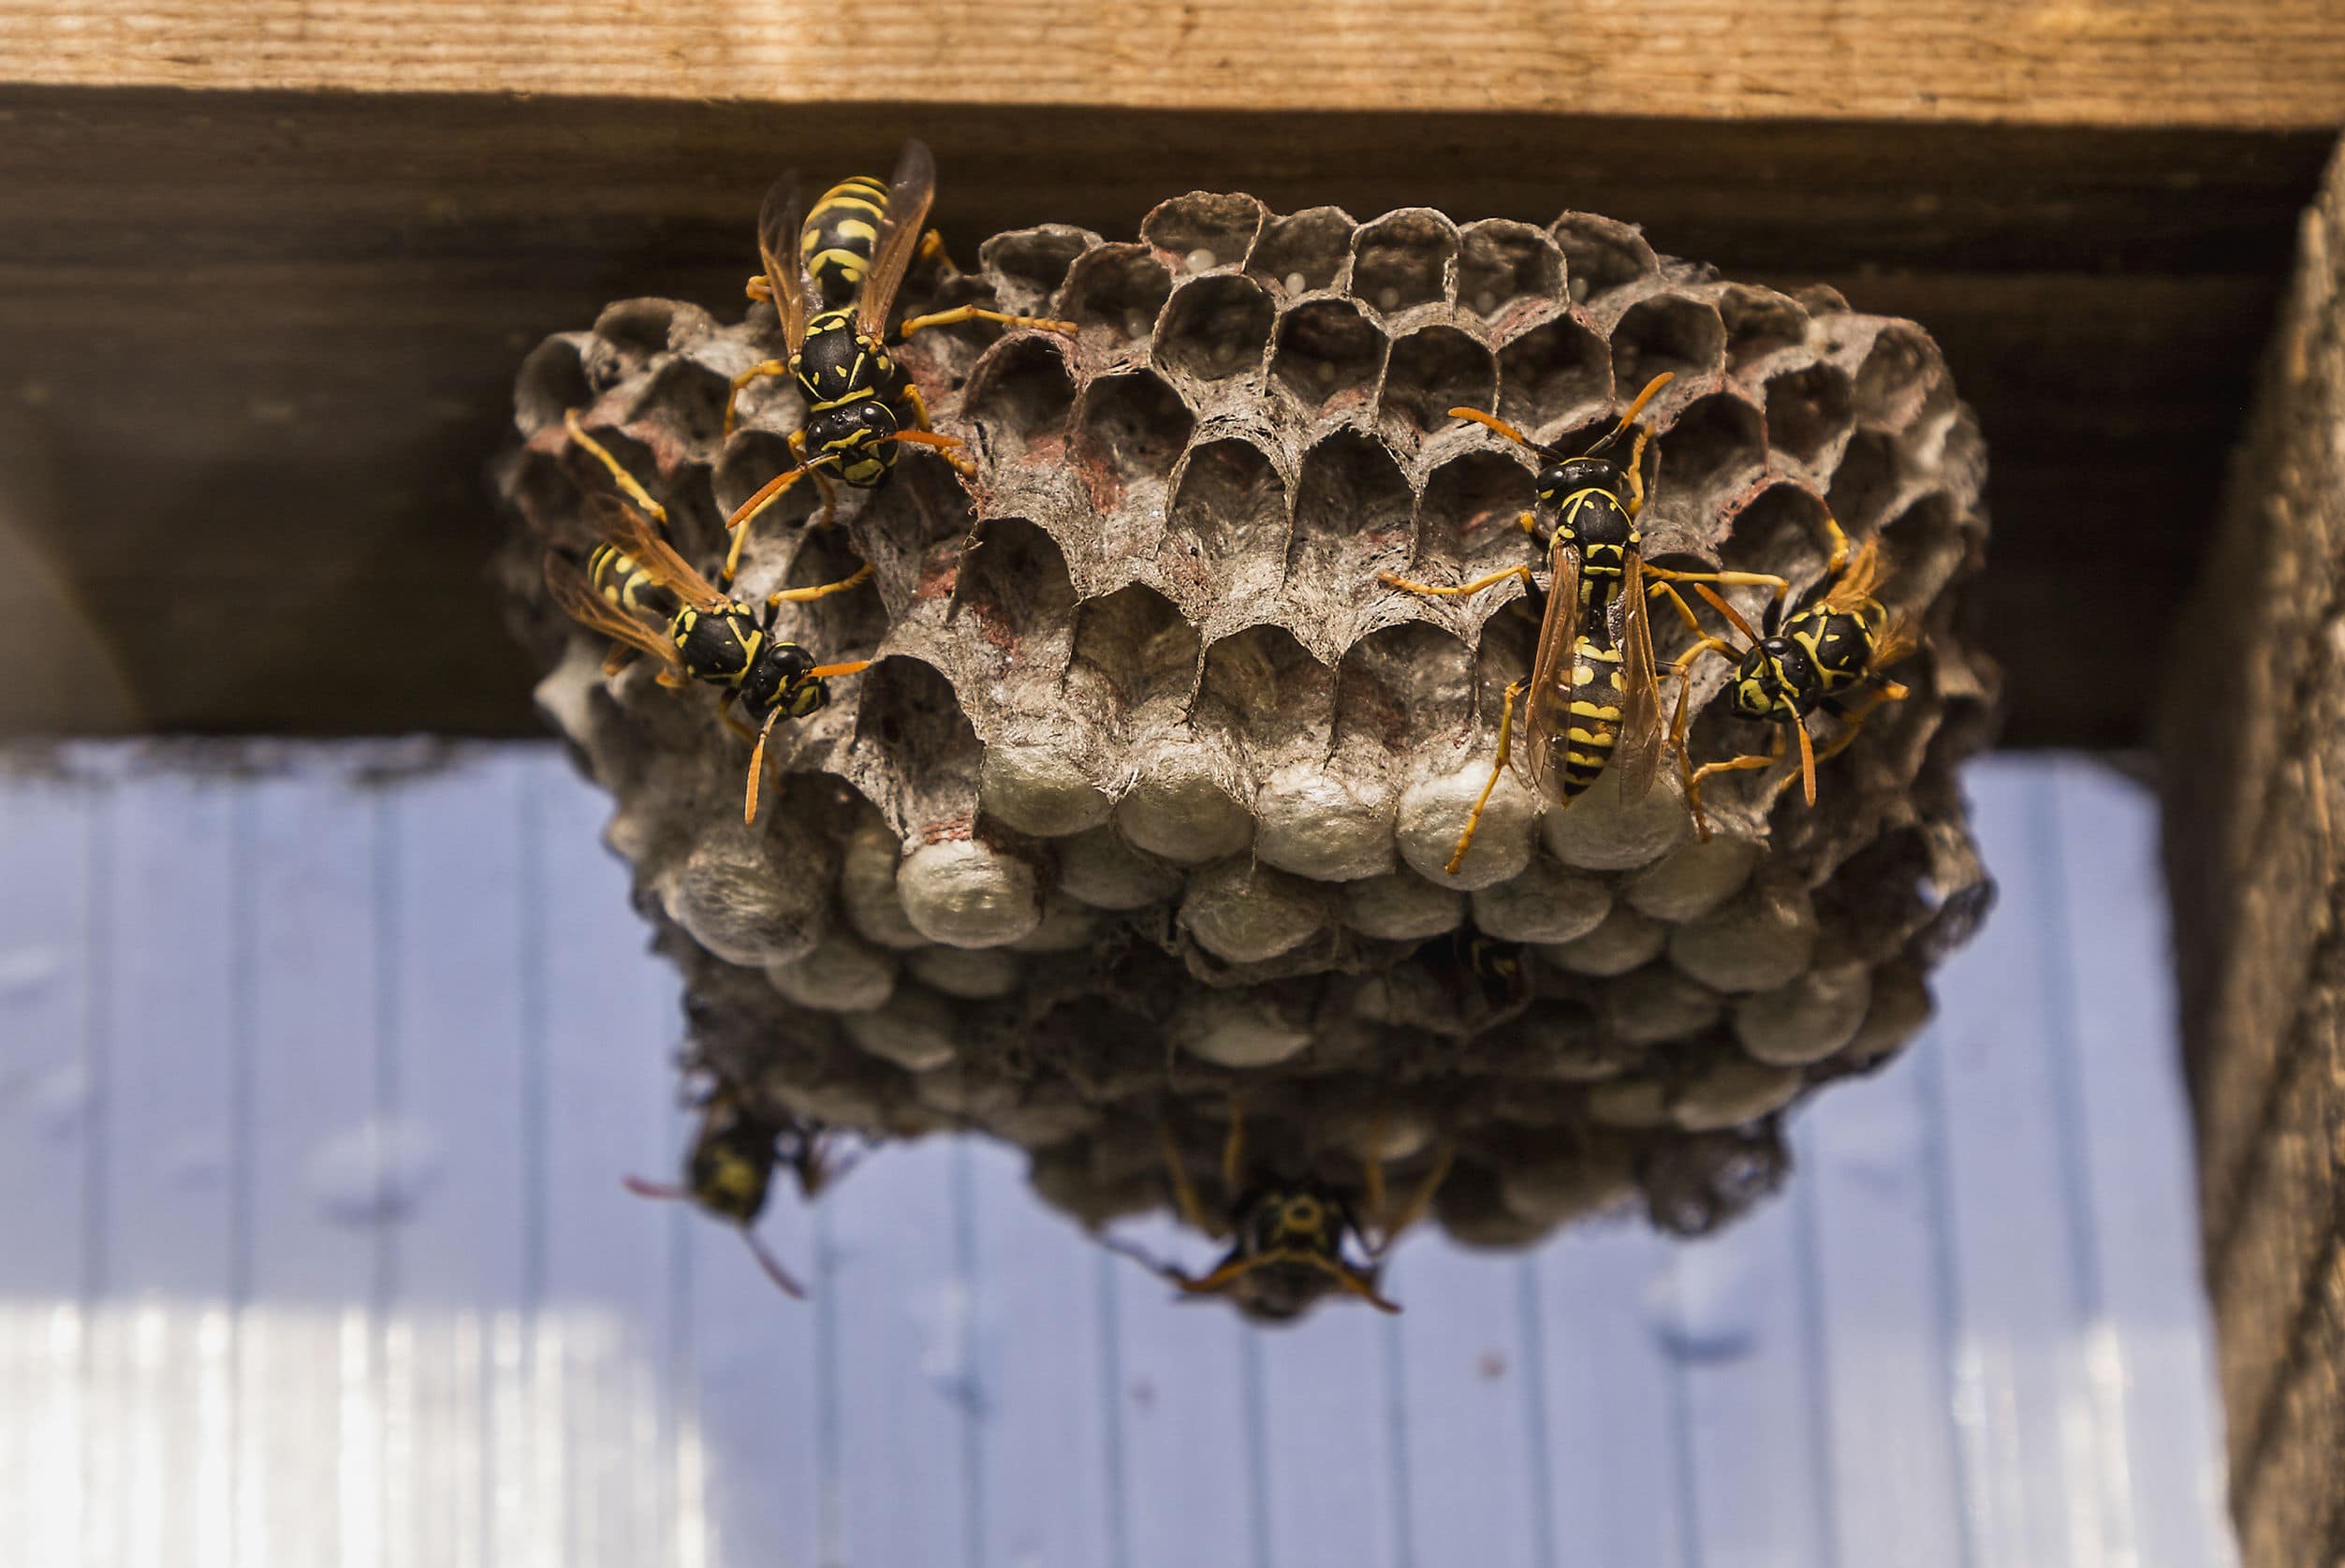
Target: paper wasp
(1594,695)
(729,1172)
(1288,1239)
(848,258)
(1815,661)
(710,636)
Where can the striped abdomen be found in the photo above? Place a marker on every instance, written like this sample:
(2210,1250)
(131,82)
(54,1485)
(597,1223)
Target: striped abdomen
(627,587)
(718,645)
(1589,726)
(836,243)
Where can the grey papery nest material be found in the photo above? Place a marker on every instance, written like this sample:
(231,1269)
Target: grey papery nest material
(1147,799)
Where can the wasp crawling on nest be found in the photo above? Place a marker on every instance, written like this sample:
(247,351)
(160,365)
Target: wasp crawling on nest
(848,258)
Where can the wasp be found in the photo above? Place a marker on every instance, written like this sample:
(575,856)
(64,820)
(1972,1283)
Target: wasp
(1290,1242)
(634,577)
(1826,657)
(1473,964)
(729,1170)
(1594,695)
(848,258)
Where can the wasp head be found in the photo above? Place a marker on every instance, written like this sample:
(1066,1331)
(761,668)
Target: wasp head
(779,680)
(1571,476)
(732,1161)
(1289,1254)
(852,437)
(1776,679)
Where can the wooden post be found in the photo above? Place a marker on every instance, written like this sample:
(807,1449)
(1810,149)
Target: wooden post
(2254,750)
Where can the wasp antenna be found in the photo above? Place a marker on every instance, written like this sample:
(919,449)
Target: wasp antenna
(1652,389)
(1734,616)
(662,1190)
(1807,760)
(772,1265)
(757,765)
(1492,422)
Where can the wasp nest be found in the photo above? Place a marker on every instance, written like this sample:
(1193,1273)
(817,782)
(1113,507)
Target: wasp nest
(1146,801)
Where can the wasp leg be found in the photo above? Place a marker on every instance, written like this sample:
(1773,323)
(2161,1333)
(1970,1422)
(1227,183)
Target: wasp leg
(932,249)
(1184,1191)
(1694,780)
(799,596)
(952,448)
(625,481)
(1498,766)
(746,513)
(758,372)
(1838,561)
(1390,1228)
(971,312)
(1778,586)
(1683,672)
(1434,590)
(1889,690)
(1234,1148)
(732,719)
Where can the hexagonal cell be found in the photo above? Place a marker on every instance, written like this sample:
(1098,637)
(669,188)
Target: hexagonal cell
(1138,643)
(1502,262)
(1329,354)
(1225,531)
(1135,424)
(1264,677)
(1781,531)
(1758,322)
(1015,591)
(1020,398)
(1403,259)
(1712,449)
(1896,374)
(1398,686)
(1925,547)
(1807,411)
(906,710)
(1114,294)
(1866,480)
(1351,521)
(1432,372)
(1204,229)
(1466,517)
(1028,266)
(1215,328)
(1304,250)
(1600,254)
(1668,333)
(694,394)
(1557,371)
(639,330)
(552,381)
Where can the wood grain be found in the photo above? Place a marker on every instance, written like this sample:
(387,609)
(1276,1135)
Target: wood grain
(2256,62)
(262,344)
(2256,786)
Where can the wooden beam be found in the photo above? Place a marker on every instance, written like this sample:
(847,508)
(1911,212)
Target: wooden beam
(2272,64)
(265,341)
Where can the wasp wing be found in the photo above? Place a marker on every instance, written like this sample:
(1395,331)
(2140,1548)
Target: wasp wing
(1636,754)
(590,610)
(779,221)
(910,190)
(1547,712)
(1858,582)
(632,531)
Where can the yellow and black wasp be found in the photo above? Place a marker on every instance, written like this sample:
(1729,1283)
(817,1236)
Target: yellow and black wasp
(848,258)
(729,1170)
(1820,659)
(1289,1240)
(710,637)
(1595,695)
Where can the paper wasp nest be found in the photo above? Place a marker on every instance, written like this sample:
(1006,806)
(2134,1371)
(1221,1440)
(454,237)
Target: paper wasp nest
(1146,799)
